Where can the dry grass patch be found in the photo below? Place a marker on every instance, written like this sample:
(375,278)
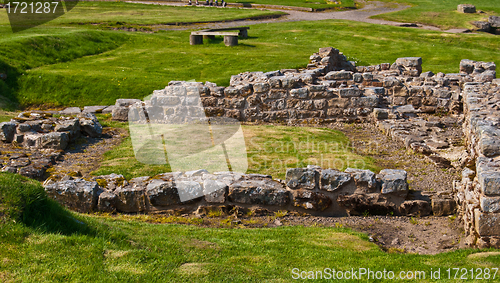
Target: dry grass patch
(340,241)
(193,268)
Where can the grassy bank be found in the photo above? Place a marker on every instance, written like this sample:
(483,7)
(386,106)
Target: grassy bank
(442,14)
(42,242)
(320,4)
(97,67)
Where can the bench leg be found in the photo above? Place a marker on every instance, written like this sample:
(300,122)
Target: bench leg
(195,39)
(244,33)
(230,40)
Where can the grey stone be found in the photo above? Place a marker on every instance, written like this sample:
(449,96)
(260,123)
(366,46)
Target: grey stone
(108,110)
(363,178)
(188,190)
(107,202)
(302,178)
(490,204)
(266,192)
(261,87)
(71,111)
(373,204)
(357,78)
(466,8)
(299,93)
(214,191)
(374,91)
(71,126)
(409,62)
(7,131)
(484,26)
(130,199)
(78,194)
(489,145)
(53,140)
(350,92)
(339,75)
(467,66)
(332,180)
(126,102)
(120,113)
(310,200)
(94,109)
(111,182)
(166,100)
(162,193)
(489,182)
(487,76)
(380,114)
(89,125)
(487,224)
(415,208)
(494,21)
(393,181)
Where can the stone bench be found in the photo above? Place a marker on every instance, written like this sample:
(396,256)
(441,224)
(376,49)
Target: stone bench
(230,38)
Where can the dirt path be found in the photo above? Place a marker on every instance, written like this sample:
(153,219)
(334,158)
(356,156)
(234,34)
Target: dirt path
(370,9)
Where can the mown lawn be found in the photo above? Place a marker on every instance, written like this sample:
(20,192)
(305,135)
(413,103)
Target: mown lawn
(42,242)
(270,150)
(442,13)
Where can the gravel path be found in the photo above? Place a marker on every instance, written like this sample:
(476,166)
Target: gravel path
(371,8)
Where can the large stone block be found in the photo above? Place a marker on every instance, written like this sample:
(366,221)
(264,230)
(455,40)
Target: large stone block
(466,8)
(414,62)
(339,75)
(487,224)
(494,21)
(302,178)
(489,182)
(301,93)
(120,113)
(162,193)
(442,206)
(215,191)
(130,199)
(126,102)
(107,202)
(78,194)
(490,204)
(7,131)
(89,125)
(311,200)
(266,192)
(332,180)
(350,92)
(363,178)
(393,181)
(71,126)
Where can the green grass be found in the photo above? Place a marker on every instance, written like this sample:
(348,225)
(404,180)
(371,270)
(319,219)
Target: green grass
(315,4)
(270,150)
(442,13)
(65,246)
(55,65)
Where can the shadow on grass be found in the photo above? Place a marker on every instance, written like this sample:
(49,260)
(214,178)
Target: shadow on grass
(8,86)
(25,201)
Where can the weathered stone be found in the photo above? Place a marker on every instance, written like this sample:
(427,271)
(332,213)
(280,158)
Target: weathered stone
(130,199)
(107,202)
(71,126)
(310,200)
(380,114)
(214,191)
(466,8)
(415,208)
(188,190)
(89,125)
(111,182)
(126,102)
(487,224)
(363,178)
(483,26)
(443,206)
(302,178)
(32,172)
(93,109)
(7,131)
(332,180)
(78,194)
(350,92)
(393,181)
(162,193)
(339,75)
(267,192)
(53,140)
(120,113)
(362,204)
(71,111)
(494,21)
(299,93)
(409,61)
(489,182)
(490,204)
(489,145)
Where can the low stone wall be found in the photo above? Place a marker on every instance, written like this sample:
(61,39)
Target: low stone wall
(311,190)
(330,89)
(44,138)
(478,193)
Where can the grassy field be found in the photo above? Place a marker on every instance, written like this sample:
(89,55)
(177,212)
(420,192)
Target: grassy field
(54,65)
(315,4)
(270,150)
(42,242)
(441,13)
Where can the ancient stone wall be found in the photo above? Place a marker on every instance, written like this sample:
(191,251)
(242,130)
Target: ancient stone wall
(478,193)
(330,89)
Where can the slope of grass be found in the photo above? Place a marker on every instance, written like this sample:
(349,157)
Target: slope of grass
(65,246)
(441,13)
(145,62)
(270,150)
